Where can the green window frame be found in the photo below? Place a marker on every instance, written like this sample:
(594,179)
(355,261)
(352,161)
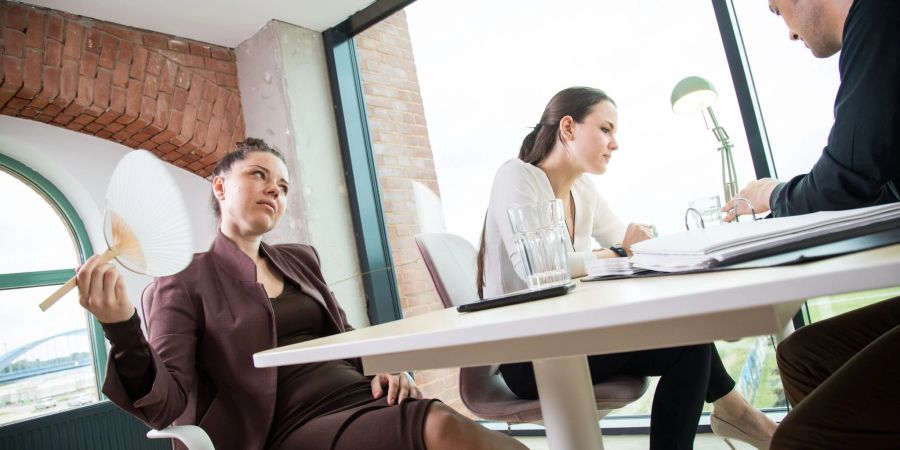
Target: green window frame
(58,201)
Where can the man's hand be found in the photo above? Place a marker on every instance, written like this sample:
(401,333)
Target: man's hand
(399,386)
(757,192)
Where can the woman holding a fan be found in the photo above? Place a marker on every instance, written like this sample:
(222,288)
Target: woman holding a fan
(241,297)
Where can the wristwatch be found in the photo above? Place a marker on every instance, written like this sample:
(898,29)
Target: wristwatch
(617,249)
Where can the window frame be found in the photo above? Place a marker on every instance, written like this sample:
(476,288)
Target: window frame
(78,233)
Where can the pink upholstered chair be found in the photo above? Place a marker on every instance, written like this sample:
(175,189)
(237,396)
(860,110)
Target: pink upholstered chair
(451,262)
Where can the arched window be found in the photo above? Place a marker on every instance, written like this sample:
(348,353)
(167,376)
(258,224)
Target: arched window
(49,361)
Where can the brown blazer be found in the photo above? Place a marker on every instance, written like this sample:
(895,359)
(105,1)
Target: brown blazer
(204,325)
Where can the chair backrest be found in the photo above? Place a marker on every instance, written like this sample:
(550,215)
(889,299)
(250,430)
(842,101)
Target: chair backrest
(451,262)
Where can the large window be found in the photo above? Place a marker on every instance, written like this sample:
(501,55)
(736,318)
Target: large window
(47,359)
(796,94)
(484,86)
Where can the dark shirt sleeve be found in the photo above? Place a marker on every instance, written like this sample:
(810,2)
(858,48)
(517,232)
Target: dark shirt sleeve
(131,355)
(861,164)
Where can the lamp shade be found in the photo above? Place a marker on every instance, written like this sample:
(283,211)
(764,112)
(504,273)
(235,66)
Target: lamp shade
(693,94)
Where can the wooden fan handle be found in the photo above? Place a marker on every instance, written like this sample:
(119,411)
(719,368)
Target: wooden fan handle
(106,257)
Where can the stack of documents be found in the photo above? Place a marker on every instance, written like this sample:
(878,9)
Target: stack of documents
(743,241)
(610,267)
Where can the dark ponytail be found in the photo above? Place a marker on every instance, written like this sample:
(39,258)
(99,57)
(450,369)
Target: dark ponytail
(576,102)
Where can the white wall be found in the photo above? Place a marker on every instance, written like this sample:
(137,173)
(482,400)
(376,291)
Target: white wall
(80,166)
(286,100)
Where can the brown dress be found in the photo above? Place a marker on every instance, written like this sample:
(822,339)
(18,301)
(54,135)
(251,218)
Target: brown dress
(318,406)
(329,405)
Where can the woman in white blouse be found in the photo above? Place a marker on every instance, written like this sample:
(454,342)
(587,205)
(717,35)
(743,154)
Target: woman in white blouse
(577,135)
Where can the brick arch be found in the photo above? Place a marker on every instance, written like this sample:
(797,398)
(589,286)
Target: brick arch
(175,97)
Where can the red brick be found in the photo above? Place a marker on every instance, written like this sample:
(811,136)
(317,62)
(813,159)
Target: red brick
(108,49)
(125,52)
(184,59)
(83,119)
(49,90)
(130,35)
(206,74)
(28,113)
(53,53)
(63,119)
(132,102)
(209,92)
(85,95)
(184,79)
(140,137)
(205,111)
(221,66)
(151,86)
(220,104)
(32,74)
(167,76)
(15,16)
(88,66)
(120,74)
(154,63)
(139,64)
(175,124)
(122,135)
(149,145)
(17,103)
(163,136)
(179,99)
(92,42)
(222,53)
(168,149)
(196,92)
(13,42)
(54,27)
(161,117)
(232,108)
(74,109)
(226,80)
(114,127)
(52,109)
(199,49)
(93,127)
(74,35)
(117,100)
(189,124)
(148,108)
(155,40)
(179,46)
(74,126)
(103,134)
(34,37)
(102,88)
(12,72)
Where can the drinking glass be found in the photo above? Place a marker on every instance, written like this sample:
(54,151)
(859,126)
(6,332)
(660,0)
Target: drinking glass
(541,237)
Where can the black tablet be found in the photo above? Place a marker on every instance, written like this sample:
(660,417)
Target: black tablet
(517,297)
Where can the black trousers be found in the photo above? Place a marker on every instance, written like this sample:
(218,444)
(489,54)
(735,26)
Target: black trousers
(689,375)
(841,375)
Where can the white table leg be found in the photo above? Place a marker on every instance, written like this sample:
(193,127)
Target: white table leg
(567,403)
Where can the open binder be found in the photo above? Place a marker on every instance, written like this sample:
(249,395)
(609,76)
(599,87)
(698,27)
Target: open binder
(770,242)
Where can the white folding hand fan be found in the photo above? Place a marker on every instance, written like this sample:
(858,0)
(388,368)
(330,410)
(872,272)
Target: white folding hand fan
(146,223)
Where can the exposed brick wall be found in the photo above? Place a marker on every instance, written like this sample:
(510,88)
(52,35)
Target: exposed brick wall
(402,156)
(176,97)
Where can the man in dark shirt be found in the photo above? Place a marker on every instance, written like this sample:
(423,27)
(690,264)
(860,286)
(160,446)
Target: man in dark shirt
(841,374)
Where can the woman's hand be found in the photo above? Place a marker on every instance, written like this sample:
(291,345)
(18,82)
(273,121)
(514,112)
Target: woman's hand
(102,292)
(399,386)
(636,232)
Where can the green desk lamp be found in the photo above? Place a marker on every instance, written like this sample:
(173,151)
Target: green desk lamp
(692,95)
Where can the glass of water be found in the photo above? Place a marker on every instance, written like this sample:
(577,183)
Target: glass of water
(541,237)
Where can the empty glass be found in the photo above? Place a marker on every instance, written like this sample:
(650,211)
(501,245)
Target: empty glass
(541,238)
(703,212)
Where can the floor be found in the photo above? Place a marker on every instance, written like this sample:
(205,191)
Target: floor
(704,441)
